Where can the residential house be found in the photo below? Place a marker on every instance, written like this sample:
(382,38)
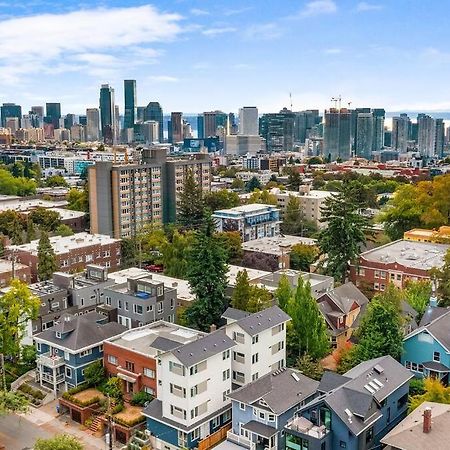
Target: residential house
(426,427)
(68,347)
(262,408)
(354,410)
(132,355)
(194,380)
(260,340)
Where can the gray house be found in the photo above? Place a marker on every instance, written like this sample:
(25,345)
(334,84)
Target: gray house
(140,301)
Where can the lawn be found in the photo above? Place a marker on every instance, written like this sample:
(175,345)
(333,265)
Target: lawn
(87,395)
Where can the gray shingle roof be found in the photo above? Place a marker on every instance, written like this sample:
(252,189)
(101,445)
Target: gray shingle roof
(331,380)
(346,295)
(260,429)
(235,314)
(85,331)
(201,349)
(164,344)
(439,329)
(432,313)
(263,320)
(280,390)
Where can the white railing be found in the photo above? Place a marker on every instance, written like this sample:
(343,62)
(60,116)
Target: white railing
(59,378)
(240,440)
(48,360)
(315,431)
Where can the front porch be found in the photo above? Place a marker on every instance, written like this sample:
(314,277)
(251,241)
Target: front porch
(437,371)
(264,437)
(50,371)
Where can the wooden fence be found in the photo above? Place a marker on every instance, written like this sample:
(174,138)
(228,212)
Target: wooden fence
(214,438)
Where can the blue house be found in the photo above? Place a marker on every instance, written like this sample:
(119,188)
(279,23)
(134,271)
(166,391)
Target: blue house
(354,411)
(262,408)
(65,349)
(426,351)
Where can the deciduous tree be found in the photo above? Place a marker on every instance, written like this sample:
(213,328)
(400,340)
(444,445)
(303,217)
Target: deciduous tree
(191,209)
(283,293)
(241,292)
(59,442)
(302,256)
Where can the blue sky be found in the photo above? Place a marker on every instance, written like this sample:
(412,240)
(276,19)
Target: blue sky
(200,55)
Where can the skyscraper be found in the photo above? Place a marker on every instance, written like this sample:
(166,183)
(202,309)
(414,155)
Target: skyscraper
(337,132)
(440,138)
(107,111)
(209,124)
(140,113)
(378,129)
(426,135)
(153,111)
(248,121)
(305,121)
(200,126)
(176,122)
(10,110)
(401,128)
(130,103)
(364,135)
(53,114)
(70,120)
(93,124)
(278,130)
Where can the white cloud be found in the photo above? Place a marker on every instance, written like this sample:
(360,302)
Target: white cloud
(89,38)
(234,12)
(365,6)
(265,31)
(217,31)
(332,51)
(199,12)
(163,79)
(319,7)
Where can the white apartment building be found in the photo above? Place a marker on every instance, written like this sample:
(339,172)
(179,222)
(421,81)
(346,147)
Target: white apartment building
(260,343)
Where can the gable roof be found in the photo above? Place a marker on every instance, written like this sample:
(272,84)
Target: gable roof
(79,332)
(345,296)
(234,314)
(263,320)
(331,380)
(431,313)
(196,351)
(280,390)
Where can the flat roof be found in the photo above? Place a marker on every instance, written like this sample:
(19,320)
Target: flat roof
(23,205)
(6,266)
(271,245)
(418,255)
(251,208)
(253,274)
(311,194)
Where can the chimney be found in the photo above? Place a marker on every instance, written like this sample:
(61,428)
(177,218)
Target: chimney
(427,420)
(212,328)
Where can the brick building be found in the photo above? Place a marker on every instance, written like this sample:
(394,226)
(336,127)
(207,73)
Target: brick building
(72,253)
(397,262)
(8,271)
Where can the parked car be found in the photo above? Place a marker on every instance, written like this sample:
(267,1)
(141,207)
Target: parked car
(154,268)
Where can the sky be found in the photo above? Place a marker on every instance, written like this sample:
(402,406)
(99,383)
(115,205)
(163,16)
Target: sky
(201,55)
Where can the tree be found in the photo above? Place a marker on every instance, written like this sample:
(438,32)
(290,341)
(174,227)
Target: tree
(315,160)
(417,294)
(46,219)
(260,261)
(241,291)
(308,325)
(345,234)
(94,373)
(12,225)
(59,442)
(293,217)
(10,185)
(232,243)
(30,231)
(442,276)
(252,184)
(222,199)
(238,183)
(302,256)
(113,388)
(259,300)
(264,197)
(12,402)
(175,254)
(294,180)
(283,293)
(309,367)
(17,306)
(46,258)
(78,200)
(191,209)
(207,275)
(435,391)
(63,230)
(56,180)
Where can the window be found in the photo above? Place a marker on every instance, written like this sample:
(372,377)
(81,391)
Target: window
(126,306)
(255,358)
(383,275)
(369,435)
(408,364)
(149,373)
(255,339)
(238,337)
(179,391)
(376,286)
(414,366)
(262,415)
(195,434)
(238,376)
(226,416)
(160,291)
(402,401)
(119,304)
(129,366)
(226,354)
(149,390)
(138,309)
(178,412)
(58,335)
(160,307)
(38,346)
(149,308)
(271,417)
(215,422)
(239,357)
(226,374)
(242,406)
(343,444)
(436,357)
(255,376)
(182,436)
(68,372)
(86,353)
(176,368)
(112,360)
(108,300)
(224,395)
(376,274)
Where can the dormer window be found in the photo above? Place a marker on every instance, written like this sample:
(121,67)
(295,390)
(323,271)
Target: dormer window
(58,334)
(263,403)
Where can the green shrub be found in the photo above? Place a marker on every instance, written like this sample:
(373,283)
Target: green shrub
(416,387)
(130,423)
(79,388)
(117,409)
(88,422)
(141,398)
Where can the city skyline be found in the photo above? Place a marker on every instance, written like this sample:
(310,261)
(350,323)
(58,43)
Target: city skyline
(193,57)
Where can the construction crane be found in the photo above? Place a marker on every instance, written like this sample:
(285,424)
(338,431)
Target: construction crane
(333,99)
(290,99)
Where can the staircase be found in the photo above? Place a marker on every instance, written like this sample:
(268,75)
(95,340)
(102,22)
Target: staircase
(96,424)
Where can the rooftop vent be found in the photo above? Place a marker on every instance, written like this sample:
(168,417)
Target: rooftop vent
(295,376)
(378,369)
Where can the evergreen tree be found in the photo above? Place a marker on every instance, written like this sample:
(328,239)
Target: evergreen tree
(17,233)
(252,184)
(309,332)
(309,367)
(345,234)
(191,210)
(260,299)
(293,217)
(283,292)
(442,277)
(207,275)
(31,232)
(46,258)
(241,292)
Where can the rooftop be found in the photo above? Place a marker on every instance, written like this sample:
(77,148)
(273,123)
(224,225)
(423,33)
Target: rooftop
(252,208)
(22,205)
(6,266)
(253,274)
(62,245)
(271,245)
(438,328)
(418,255)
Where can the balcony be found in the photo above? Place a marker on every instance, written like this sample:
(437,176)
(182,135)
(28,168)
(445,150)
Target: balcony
(49,378)
(49,360)
(240,440)
(304,426)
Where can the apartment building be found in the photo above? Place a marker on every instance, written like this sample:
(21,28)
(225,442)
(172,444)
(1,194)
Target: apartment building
(73,253)
(11,269)
(441,235)
(260,340)
(193,383)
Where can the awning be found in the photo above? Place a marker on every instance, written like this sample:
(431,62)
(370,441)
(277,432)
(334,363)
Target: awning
(260,429)
(435,366)
(126,378)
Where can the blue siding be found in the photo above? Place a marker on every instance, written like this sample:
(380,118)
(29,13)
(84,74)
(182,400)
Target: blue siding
(163,431)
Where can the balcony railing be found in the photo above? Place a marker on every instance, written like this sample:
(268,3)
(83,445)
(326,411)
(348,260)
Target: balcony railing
(48,360)
(59,378)
(303,426)
(240,440)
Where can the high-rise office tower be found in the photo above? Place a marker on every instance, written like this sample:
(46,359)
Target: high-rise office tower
(53,114)
(153,111)
(354,124)
(305,121)
(364,135)
(140,113)
(130,103)
(209,124)
(401,128)
(278,130)
(248,121)
(440,138)
(337,134)
(426,135)
(92,124)
(176,122)
(107,111)
(200,126)
(70,120)
(150,131)
(117,123)
(13,123)
(231,128)
(378,129)
(10,110)
(38,110)
(27,121)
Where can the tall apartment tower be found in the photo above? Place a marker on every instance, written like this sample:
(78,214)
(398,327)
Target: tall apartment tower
(107,112)
(248,121)
(337,134)
(440,138)
(278,130)
(401,129)
(176,127)
(364,135)
(200,126)
(9,111)
(153,111)
(305,121)
(92,124)
(426,130)
(130,103)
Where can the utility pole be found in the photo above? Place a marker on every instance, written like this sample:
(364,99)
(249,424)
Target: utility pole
(110,426)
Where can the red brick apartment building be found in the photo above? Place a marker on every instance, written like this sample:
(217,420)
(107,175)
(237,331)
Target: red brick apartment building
(397,262)
(132,355)
(72,253)
(21,272)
